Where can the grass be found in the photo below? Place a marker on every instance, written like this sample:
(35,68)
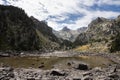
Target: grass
(93,47)
(41,37)
(82,48)
(35,62)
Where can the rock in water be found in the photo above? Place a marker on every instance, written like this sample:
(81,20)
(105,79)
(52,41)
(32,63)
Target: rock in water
(82,67)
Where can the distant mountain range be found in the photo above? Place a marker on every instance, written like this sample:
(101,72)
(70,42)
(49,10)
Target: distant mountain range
(68,34)
(22,33)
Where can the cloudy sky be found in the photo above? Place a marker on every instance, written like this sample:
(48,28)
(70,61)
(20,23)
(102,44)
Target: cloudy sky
(71,13)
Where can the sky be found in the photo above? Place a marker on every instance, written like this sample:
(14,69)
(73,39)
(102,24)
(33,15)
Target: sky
(71,13)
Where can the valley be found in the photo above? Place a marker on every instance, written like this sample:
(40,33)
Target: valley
(31,50)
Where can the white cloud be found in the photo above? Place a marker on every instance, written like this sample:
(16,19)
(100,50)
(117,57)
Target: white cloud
(109,2)
(83,22)
(54,25)
(1,2)
(87,2)
(59,10)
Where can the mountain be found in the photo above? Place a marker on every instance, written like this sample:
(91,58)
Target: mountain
(65,29)
(20,32)
(101,34)
(17,31)
(82,29)
(52,42)
(46,36)
(68,34)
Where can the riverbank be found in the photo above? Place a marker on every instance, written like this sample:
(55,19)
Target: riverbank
(61,65)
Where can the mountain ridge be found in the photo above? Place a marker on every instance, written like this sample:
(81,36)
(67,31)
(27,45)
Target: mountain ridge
(20,32)
(68,34)
(102,32)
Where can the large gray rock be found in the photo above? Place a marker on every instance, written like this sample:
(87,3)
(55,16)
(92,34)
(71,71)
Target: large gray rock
(57,73)
(114,76)
(81,66)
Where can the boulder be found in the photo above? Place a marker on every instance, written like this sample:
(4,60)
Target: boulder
(41,66)
(69,64)
(87,74)
(31,79)
(114,76)
(88,78)
(57,73)
(76,79)
(82,67)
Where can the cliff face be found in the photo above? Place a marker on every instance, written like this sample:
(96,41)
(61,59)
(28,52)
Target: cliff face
(100,31)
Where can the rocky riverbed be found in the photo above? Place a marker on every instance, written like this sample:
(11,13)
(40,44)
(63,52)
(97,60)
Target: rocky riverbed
(75,70)
(110,73)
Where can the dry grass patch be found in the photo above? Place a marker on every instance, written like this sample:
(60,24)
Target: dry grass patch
(94,47)
(82,48)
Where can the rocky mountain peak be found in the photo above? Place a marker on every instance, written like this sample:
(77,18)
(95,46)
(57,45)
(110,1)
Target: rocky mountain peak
(101,31)
(65,29)
(68,34)
(98,20)
(119,16)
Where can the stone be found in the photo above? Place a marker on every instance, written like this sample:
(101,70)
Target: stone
(41,66)
(88,78)
(82,67)
(57,73)
(76,79)
(114,76)
(31,79)
(87,74)
(11,75)
(69,64)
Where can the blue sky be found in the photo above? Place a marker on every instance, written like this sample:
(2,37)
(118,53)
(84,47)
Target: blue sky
(71,13)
